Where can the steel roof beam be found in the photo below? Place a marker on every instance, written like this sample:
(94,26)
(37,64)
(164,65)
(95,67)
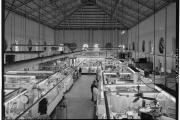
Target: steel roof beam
(135,10)
(46,4)
(67,16)
(9,10)
(47,12)
(143,4)
(67,11)
(37,9)
(91,27)
(23,3)
(115,6)
(124,24)
(31,18)
(26,13)
(126,13)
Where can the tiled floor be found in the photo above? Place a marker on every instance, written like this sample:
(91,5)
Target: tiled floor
(78,101)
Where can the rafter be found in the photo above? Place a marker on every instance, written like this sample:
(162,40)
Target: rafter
(114,8)
(67,11)
(22,4)
(48,3)
(67,16)
(143,4)
(9,10)
(127,14)
(108,13)
(132,9)
(24,14)
(31,18)
(37,9)
(47,12)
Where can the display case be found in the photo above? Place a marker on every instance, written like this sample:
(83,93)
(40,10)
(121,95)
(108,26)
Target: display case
(90,65)
(126,102)
(55,65)
(53,88)
(19,81)
(132,100)
(39,75)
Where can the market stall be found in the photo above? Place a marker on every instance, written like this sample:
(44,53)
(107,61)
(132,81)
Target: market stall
(138,102)
(90,65)
(24,104)
(119,98)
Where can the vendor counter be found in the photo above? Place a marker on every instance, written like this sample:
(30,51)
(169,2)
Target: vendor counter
(23,103)
(122,101)
(129,95)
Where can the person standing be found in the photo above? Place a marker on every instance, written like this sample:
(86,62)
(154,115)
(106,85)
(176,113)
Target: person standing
(95,94)
(80,71)
(43,109)
(92,86)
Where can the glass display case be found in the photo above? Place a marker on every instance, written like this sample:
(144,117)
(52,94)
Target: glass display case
(39,75)
(90,65)
(19,81)
(133,100)
(53,88)
(56,65)
(128,102)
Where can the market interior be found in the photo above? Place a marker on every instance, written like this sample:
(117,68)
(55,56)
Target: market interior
(90,59)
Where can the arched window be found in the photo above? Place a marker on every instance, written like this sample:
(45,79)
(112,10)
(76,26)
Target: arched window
(133,46)
(85,46)
(96,47)
(121,47)
(16,47)
(61,47)
(161,45)
(143,45)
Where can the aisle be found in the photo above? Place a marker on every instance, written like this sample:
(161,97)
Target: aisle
(78,100)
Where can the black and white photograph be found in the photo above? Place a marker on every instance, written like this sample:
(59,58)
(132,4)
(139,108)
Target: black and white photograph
(90,59)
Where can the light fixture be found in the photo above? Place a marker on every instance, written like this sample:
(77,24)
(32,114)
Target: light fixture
(123,32)
(96,46)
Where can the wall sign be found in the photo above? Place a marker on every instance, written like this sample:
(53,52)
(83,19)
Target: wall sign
(161,45)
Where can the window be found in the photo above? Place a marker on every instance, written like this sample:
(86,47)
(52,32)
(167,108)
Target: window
(85,46)
(133,46)
(96,47)
(143,45)
(161,45)
(150,46)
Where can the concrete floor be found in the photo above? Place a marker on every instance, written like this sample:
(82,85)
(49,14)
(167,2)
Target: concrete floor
(77,100)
